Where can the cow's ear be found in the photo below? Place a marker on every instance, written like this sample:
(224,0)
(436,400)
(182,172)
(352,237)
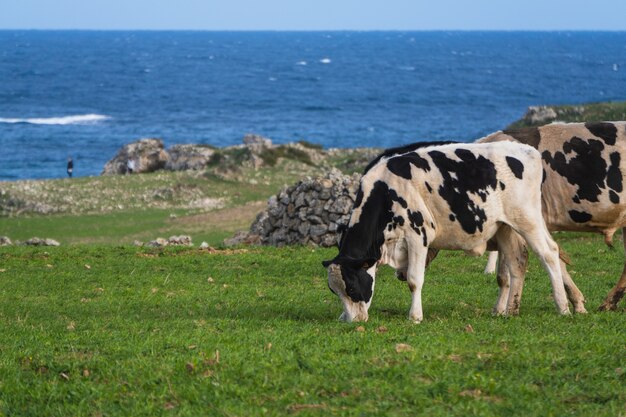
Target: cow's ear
(326,264)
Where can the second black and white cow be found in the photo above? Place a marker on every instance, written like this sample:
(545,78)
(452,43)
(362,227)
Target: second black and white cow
(442,197)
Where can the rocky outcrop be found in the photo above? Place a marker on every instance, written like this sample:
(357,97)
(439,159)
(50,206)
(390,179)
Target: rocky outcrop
(33,241)
(144,155)
(36,241)
(256,151)
(190,156)
(540,115)
(309,212)
(567,113)
(182,240)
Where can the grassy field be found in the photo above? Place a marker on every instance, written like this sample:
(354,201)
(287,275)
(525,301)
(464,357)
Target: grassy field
(93,330)
(98,327)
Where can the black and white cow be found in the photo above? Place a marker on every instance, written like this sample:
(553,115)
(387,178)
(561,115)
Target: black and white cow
(584,166)
(456,196)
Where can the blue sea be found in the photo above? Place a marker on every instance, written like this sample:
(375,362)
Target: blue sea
(84,94)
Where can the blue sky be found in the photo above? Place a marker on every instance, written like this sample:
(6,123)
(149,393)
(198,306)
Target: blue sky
(315,14)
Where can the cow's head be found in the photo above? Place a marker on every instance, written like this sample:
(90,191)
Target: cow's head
(353,282)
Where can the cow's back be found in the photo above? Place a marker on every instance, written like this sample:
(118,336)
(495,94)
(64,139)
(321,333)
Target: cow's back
(584,166)
(461,191)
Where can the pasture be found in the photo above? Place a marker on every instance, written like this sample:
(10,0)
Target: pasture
(93,330)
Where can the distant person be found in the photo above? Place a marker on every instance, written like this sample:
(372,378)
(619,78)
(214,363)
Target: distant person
(70,167)
(130,165)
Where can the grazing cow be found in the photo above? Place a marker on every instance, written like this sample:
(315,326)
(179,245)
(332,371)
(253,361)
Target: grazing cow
(584,166)
(456,196)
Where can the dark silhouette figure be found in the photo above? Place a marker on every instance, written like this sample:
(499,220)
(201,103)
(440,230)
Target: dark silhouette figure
(70,167)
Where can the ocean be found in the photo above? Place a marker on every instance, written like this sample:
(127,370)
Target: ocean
(84,94)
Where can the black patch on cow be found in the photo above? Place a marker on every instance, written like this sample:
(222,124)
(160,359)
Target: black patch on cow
(544,176)
(502,186)
(416,219)
(361,243)
(451,217)
(576,199)
(401,165)
(614,174)
(395,197)
(603,130)
(358,283)
(613,197)
(363,239)
(428,187)
(529,136)
(359,198)
(417,224)
(579,216)
(586,169)
(390,227)
(398,220)
(473,175)
(516,166)
(402,150)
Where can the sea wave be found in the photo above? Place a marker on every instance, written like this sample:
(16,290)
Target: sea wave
(77,119)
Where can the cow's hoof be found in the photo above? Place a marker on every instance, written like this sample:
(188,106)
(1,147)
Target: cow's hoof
(498,313)
(344,317)
(607,307)
(416,320)
(580,309)
(565,312)
(512,312)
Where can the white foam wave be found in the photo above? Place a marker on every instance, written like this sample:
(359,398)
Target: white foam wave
(78,119)
(325,61)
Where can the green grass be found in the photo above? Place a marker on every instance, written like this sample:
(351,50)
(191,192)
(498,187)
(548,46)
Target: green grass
(116,330)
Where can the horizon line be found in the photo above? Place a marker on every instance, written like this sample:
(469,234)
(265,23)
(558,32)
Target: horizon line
(300,30)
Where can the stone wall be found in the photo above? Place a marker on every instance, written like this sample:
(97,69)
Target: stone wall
(308,212)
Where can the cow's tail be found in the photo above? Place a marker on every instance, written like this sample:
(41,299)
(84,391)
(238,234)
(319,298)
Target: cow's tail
(564,256)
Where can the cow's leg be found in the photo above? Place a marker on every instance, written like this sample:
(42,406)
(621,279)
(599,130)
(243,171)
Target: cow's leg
(503,280)
(547,250)
(415,280)
(573,293)
(511,270)
(617,292)
(520,262)
(492,261)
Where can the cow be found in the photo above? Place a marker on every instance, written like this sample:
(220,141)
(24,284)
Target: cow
(583,190)
(454,196)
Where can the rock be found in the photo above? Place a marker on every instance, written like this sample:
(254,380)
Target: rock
(243,238)
(137,243)
(184,157)
(342,205)
(148,156)
(35,241)
(157,243)
(204,245)
(252,139)
(540,114)
(5,241)
(181,240)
